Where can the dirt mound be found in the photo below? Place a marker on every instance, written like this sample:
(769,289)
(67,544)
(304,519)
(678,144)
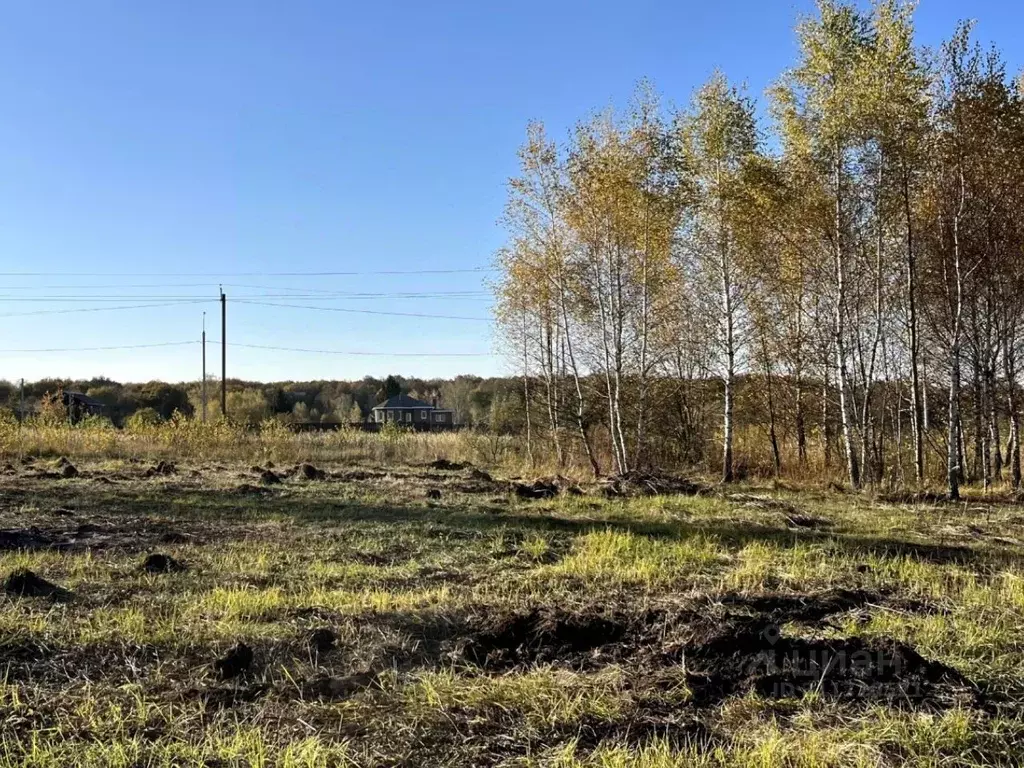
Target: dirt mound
(448,466)
(161,468)
(541,635)
(754,656)
(642,483)
(24,538)
(478,481)
(24,583)
(234,662)
(160,563)
(308,472)
(546,488)
(538,489)
(728,653)
(808,609)
(322,640)
(267,477)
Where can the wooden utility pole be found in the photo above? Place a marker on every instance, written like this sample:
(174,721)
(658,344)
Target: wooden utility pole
(223,354)
(204,367)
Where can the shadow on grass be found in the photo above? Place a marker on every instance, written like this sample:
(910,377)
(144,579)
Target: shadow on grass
(211,506)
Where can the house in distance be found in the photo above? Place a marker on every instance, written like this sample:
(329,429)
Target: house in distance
(410,412)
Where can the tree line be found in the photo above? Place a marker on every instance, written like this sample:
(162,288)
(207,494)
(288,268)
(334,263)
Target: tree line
(488,403)
(834,288)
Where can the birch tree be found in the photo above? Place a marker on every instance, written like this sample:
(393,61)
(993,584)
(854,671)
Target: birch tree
(720,138)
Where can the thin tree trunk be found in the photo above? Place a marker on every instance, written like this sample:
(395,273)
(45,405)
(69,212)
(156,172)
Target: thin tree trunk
(918,420)
(730,353)
(617,323)
(953,433)
(580,426)
(826,424)
(604,312)
(954,455)
(551,386)
(981,466)
(801,429)
(526,395)
(772,435)
(839,325)
(994,436)
(1010,371)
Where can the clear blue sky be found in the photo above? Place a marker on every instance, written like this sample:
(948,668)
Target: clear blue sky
(226,137)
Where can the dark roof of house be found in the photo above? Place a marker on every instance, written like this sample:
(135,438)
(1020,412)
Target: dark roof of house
(403,401)
(82,398)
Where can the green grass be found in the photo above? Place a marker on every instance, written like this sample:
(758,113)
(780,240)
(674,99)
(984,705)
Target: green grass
(122,675)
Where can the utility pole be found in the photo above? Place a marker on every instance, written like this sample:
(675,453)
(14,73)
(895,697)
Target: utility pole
(223,354)
(22,406)
(204,367)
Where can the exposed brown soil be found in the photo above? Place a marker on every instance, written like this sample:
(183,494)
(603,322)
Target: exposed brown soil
(162,468)
(25,583)
(234,662)
(642,483)
(24,538)
(741,651)
(129,534)
(268,477)
(158,562)
(806,609)
(538,489)
(542,635)
(755,656)
(308,472)
(448,466)
(322,640)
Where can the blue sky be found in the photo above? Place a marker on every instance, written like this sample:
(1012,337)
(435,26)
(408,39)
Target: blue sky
(170,146)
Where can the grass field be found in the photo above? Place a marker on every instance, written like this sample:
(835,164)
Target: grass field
(383,615)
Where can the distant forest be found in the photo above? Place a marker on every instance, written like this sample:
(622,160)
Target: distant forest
(492,403)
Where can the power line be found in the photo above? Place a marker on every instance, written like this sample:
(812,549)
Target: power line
(123,297)
(477,270)
(103,309)
(361,294)
(360,353)
(354,353)
(106,285)
(202,297)
(361,311)
(98,349)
